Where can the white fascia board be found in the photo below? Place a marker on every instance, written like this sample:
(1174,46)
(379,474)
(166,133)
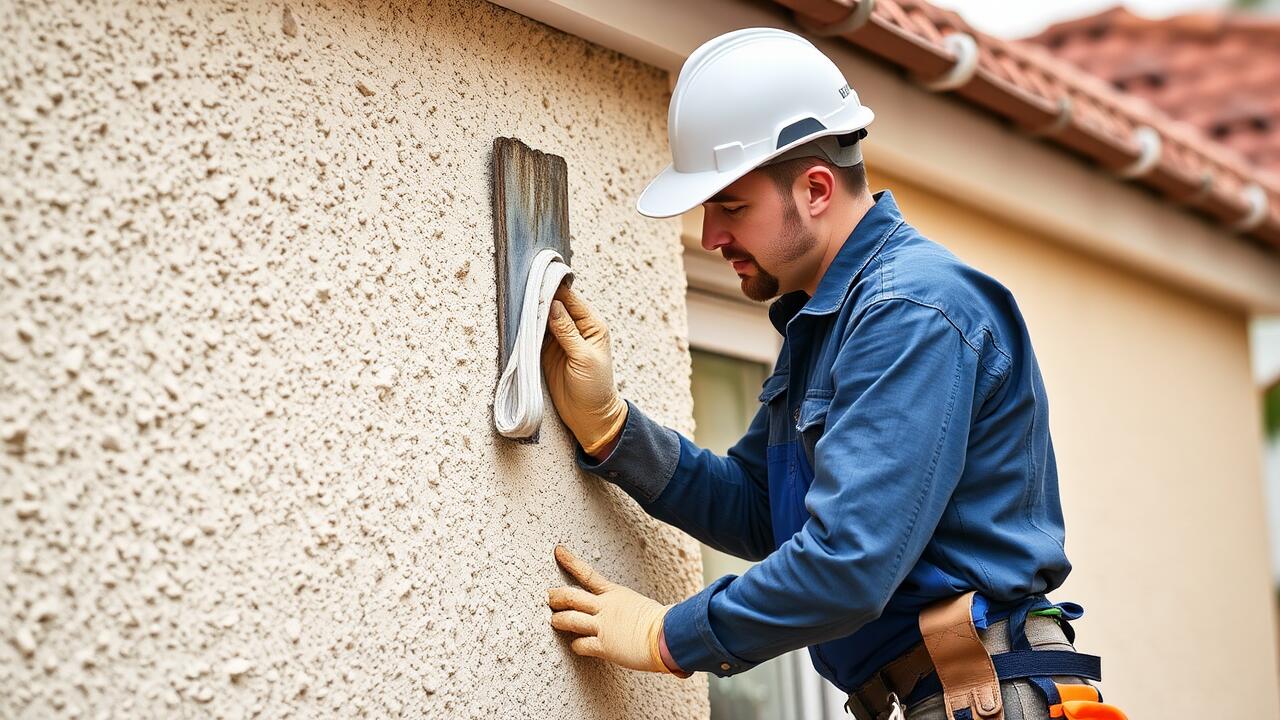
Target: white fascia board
(732,328)
(992,167)
(652,31)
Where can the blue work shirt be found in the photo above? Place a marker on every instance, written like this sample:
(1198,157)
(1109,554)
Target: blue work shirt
(901,454)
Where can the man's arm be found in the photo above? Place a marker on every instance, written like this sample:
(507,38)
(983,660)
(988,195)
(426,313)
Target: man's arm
(721,500)
(885,468)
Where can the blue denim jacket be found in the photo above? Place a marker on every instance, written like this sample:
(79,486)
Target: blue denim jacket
(901,454)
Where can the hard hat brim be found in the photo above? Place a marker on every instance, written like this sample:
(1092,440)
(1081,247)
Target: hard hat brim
(673,193)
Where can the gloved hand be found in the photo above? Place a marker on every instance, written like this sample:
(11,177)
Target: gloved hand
(579,370)
(615,623)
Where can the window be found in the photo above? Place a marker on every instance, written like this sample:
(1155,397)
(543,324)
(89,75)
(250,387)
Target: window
(724,401)
(733,347)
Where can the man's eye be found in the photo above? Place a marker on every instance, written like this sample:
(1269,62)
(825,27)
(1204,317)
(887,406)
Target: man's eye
(735,210)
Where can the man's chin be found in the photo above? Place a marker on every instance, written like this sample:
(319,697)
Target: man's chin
(760,289)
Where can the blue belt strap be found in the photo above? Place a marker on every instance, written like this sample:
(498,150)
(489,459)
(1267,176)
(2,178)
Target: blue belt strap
(1024,664)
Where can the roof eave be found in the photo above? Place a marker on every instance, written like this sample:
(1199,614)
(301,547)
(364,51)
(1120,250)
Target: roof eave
(1218,190)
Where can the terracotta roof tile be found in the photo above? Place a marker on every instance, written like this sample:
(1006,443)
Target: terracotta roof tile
(1207,69)
(1030,83)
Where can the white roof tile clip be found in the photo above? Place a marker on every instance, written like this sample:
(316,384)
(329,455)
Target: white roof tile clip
(1059,123)
(965,50)
(857,17)
(1256,196)
(1149,144)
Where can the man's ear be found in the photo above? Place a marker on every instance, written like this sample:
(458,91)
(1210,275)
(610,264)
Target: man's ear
(818,188)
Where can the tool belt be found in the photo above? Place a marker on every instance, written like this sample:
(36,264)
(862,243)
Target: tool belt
(953,660)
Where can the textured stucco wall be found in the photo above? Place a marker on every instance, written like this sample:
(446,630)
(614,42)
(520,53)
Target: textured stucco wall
(247,356)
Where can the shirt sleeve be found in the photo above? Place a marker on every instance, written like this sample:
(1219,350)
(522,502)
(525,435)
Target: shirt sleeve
(885,467)
(722,501)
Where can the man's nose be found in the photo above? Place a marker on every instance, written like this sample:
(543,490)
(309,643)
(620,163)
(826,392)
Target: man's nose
(714,237)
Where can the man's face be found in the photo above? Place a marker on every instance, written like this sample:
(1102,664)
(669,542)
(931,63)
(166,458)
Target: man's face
(760,231)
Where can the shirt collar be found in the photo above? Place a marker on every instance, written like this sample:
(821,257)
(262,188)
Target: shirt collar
(862,244)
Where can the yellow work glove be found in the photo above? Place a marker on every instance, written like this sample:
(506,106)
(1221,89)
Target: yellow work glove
(579,369)
(614,623)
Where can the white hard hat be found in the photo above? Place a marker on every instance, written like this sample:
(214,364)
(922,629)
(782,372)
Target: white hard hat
(746,98)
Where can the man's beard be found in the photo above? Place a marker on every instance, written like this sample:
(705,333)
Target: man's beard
(793,242)
(761,286)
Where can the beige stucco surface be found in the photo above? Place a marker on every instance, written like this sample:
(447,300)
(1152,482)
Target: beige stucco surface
(248,351)
(1155,426)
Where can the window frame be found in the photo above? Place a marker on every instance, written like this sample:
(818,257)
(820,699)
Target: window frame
(722,320)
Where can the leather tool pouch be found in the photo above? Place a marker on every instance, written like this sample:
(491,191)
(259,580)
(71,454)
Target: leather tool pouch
(970,687)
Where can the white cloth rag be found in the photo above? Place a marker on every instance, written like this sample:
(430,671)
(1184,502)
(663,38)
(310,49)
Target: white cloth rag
(517,406)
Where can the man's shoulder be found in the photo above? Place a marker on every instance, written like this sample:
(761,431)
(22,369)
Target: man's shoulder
(916,270)
(913,267)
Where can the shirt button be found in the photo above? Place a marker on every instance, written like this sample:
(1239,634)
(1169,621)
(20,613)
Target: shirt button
(724,666)
(613,474)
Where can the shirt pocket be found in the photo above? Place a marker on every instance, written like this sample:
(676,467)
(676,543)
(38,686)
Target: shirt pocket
(811,420)
(773,396)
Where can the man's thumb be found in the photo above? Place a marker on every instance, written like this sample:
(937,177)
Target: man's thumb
(564,329)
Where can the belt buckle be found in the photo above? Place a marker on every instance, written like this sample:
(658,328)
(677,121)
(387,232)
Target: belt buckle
(897,712)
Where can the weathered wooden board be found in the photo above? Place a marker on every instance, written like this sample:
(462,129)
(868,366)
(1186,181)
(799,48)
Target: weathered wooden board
(530,212)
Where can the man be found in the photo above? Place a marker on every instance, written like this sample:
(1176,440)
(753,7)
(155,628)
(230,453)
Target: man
(901,455)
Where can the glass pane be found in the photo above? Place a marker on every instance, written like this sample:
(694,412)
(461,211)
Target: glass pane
(724,398)
(724,401)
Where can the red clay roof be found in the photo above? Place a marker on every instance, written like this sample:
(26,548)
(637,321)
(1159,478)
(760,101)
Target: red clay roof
(1209,70)
(1042,94)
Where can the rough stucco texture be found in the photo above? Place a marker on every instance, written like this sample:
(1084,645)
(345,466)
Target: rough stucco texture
(248,352)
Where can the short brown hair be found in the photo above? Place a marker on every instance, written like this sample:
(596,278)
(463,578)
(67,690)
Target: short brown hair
(783,174)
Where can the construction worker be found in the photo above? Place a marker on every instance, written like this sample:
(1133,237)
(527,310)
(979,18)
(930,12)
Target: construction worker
(897,485)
